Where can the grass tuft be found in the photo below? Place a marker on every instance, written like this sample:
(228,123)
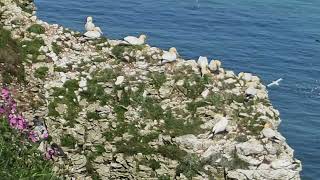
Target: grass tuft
(68,141)
(41,72)
(36,28)
(10,59)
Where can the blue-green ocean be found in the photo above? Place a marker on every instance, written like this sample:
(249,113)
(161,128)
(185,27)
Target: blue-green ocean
(269,38)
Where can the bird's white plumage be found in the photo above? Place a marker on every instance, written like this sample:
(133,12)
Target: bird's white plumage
(203,61)
(271,134)
(275,83)
(89,25)
(134,40)
(203,64)
(94,34)
(214,65)
(220,126)
(169,56)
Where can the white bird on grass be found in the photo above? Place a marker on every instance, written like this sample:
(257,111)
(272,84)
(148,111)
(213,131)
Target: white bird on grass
(221,126)
(275,83)
(89,25)
(136,41)
(170,56)
(94,34)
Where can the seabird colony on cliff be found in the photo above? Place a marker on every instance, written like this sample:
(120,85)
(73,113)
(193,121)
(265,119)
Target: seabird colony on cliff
(93,32)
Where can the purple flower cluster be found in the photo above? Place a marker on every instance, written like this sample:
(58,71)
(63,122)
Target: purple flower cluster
(17,121)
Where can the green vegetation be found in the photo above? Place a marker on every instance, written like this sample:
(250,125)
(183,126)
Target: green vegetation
(178,127)
(152,163)
(24,5)
(157,79)
(238,163)
(52,111)
(36,28)
(56,48)
(19,158)
(172,151)
(10,59)
(152,109)
(118,50)
(89,166)
(193,85)
(93,115)
(190,166)
(99,149)
(68,141)
(31,47)
(41,72)
(164,177)
(69,98)
(60,69)
(96,91)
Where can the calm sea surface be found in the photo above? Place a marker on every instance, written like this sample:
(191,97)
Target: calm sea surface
(271,38)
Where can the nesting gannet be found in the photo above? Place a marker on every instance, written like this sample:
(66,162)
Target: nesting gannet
(271,134)
(203,64)
(89,25)
(275,83)
(94,34)
(214,65)
(169,56)
(136,41)
(221,126)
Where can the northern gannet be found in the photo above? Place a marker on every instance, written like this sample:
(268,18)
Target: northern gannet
(275,83)
(221,126)
(169,56)
(214,65)
(203,64)
(136,41)
(94,34)
(89,25)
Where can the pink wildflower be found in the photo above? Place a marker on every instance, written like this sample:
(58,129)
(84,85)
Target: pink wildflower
(5,94)
(17,122)
(12,120)
(22,123)
(2,110)
(33,136)
(49,153)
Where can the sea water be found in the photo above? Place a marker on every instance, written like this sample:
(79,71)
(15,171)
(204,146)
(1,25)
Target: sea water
(273,39)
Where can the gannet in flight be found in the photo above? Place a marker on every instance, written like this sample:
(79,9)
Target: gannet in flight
(275,82)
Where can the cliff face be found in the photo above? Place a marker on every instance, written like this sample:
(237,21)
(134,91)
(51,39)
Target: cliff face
(118,112)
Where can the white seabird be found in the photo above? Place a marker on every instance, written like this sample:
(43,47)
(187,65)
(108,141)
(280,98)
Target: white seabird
(271,134)
(89,25)
(203,64)
(214,65)
(136,41)
(169,56)
(221,126)
(94,34)
(275,83)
